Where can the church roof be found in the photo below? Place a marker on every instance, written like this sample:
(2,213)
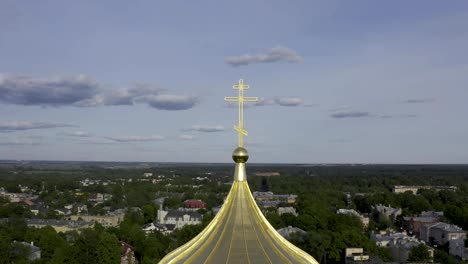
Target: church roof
(239,233)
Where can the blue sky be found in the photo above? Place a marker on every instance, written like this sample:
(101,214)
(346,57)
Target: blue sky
(339,81)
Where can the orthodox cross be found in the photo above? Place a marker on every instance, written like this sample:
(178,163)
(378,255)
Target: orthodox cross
(240,99)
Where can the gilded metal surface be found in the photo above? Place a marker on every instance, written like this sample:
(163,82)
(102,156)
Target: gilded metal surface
(240,155)
(240,99)
(239,233)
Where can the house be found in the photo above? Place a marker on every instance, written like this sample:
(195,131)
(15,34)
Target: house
(432,214)
(413,224)
(387,212)
(399,244)
(165,229)
(415,189)
(353,255)
(110,219)
(99,197)
(270,196)
(287,210)
(441,233)
(34,253)
(194,204)
(267,174)
(286,232)
(63,211)
(364,220)
(127,255)
(59,225)
(148,174)
(458,248)
(401,249)
(38,208)
(179,218)
(80,208)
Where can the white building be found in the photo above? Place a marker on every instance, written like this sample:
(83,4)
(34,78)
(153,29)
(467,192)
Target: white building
(286,232)
(287,210)
(387,212)
(441,233)
(364,220)
(178,218)
(399,244)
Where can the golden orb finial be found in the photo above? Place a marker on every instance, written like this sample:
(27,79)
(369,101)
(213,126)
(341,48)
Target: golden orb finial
(240,155)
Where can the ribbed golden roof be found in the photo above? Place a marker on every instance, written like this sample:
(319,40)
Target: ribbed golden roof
(239,233)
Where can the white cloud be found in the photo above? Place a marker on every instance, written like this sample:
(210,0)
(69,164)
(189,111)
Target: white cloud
(185,137)
(82,91)
(206,128)
(289,101)
(351,114)
(25,125)
(272,55)
(76,134)
(170,102)
(19,142)
(54,91)
(135,138)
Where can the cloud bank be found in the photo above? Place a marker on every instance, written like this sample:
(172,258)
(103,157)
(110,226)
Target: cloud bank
(55,91)
(135,138)
(171,102)
(76,134)
(289,101)
(185,137)
(82,91)
(205,128)
(24,125)
(418,101)
(276,54)
(351,114)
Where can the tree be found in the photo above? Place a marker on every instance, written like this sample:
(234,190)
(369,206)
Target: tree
(108,249)
(419,253)
(441,256)
(47,239)
(149,213)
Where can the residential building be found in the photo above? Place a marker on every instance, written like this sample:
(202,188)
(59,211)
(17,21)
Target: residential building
(59,225)
(387,212)
(286,232)
(194,204)
(432,214)
(34,253)
(260,197)
(287,210)
(148,174)
(165,229)
(413,224)
(99,197)
(179,218)
(353,255)
(399,244)
(364,219)
(441,233)
(110,219)
(415,189)
(457,248)
(127,255)
(267,174)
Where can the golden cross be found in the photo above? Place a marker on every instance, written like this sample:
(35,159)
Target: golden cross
(241,99)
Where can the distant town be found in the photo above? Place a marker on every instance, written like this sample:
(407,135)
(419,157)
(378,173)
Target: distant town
(57,213)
